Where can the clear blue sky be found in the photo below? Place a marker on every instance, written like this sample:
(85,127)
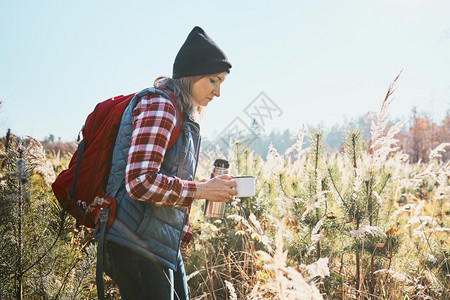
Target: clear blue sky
(320,61)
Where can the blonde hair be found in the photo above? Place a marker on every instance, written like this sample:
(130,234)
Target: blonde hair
(181,88)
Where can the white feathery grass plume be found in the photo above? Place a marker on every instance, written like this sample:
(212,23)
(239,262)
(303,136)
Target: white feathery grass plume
(364,230)
(380,200)
(36,157)
(399,157)
(319,224)
(281,204)
(431,258)
(272,219)
(436,284)
(427,173)
(422,221)
(297,147)
(316,236)
(314,202)
(255,232)
(255,222)
(443,175)
(240,219)
(406,207)
(231,289)
(318,268)
(415,208)
(418,208)
(447,166)
(289,283)
(395,275)
(380,144)
(438,229)
(254,294)
(435,153)
(379,124)
(274,162)
(385,145)
(279,261)
(443,189)
(419,233)
(406,183)
(258,233)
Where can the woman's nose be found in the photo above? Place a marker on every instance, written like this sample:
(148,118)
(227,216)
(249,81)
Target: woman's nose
(216,91)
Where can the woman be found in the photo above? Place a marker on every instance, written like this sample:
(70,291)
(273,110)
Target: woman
(156,183)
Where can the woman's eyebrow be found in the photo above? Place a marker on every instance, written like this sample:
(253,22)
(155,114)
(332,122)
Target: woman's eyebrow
(220,79)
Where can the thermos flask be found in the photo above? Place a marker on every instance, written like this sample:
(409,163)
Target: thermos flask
(217,209)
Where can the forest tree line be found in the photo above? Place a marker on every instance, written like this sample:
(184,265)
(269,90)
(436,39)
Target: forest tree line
(419,135)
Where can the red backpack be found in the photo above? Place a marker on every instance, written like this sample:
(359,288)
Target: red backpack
(80,189)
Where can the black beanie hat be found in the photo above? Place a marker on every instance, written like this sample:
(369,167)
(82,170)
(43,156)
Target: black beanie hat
(199,55)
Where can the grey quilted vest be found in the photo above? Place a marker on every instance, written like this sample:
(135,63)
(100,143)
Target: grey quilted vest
(147,229)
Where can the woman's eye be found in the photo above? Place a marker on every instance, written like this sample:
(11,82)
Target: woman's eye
(212,80)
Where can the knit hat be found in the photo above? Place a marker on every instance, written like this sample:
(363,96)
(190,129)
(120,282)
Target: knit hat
(199,55)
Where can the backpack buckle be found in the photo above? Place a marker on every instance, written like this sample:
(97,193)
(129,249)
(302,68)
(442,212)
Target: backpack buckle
(102,216)
(82,203)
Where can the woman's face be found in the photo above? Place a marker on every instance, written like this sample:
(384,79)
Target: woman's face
(206,88)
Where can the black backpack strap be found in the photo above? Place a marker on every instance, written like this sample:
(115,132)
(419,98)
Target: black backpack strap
(70,193)
(183,153)
(187,128)
(103,219)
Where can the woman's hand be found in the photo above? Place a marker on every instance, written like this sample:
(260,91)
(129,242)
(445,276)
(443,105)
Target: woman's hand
(217,189)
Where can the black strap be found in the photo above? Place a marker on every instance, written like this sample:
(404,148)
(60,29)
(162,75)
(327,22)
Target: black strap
(183,153)
(103,219)
(71,193)
(80,152)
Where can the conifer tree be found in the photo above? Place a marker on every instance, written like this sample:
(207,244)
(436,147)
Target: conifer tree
(36,258)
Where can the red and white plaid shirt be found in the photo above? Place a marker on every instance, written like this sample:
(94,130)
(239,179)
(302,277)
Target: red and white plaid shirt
(154,119)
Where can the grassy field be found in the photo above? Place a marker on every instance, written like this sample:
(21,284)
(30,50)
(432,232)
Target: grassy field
(358,224)
(362,223)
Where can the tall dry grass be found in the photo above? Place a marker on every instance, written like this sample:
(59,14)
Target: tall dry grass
(363,223)
(360,224)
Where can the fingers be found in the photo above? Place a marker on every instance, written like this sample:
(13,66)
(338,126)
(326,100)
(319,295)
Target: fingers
(229,185)
(227,198)
(225,176)
(226,189)
(232,191)
(225,194)
(229,181)
(221,189)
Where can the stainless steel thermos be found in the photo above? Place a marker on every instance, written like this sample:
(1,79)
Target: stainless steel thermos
(217,209)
